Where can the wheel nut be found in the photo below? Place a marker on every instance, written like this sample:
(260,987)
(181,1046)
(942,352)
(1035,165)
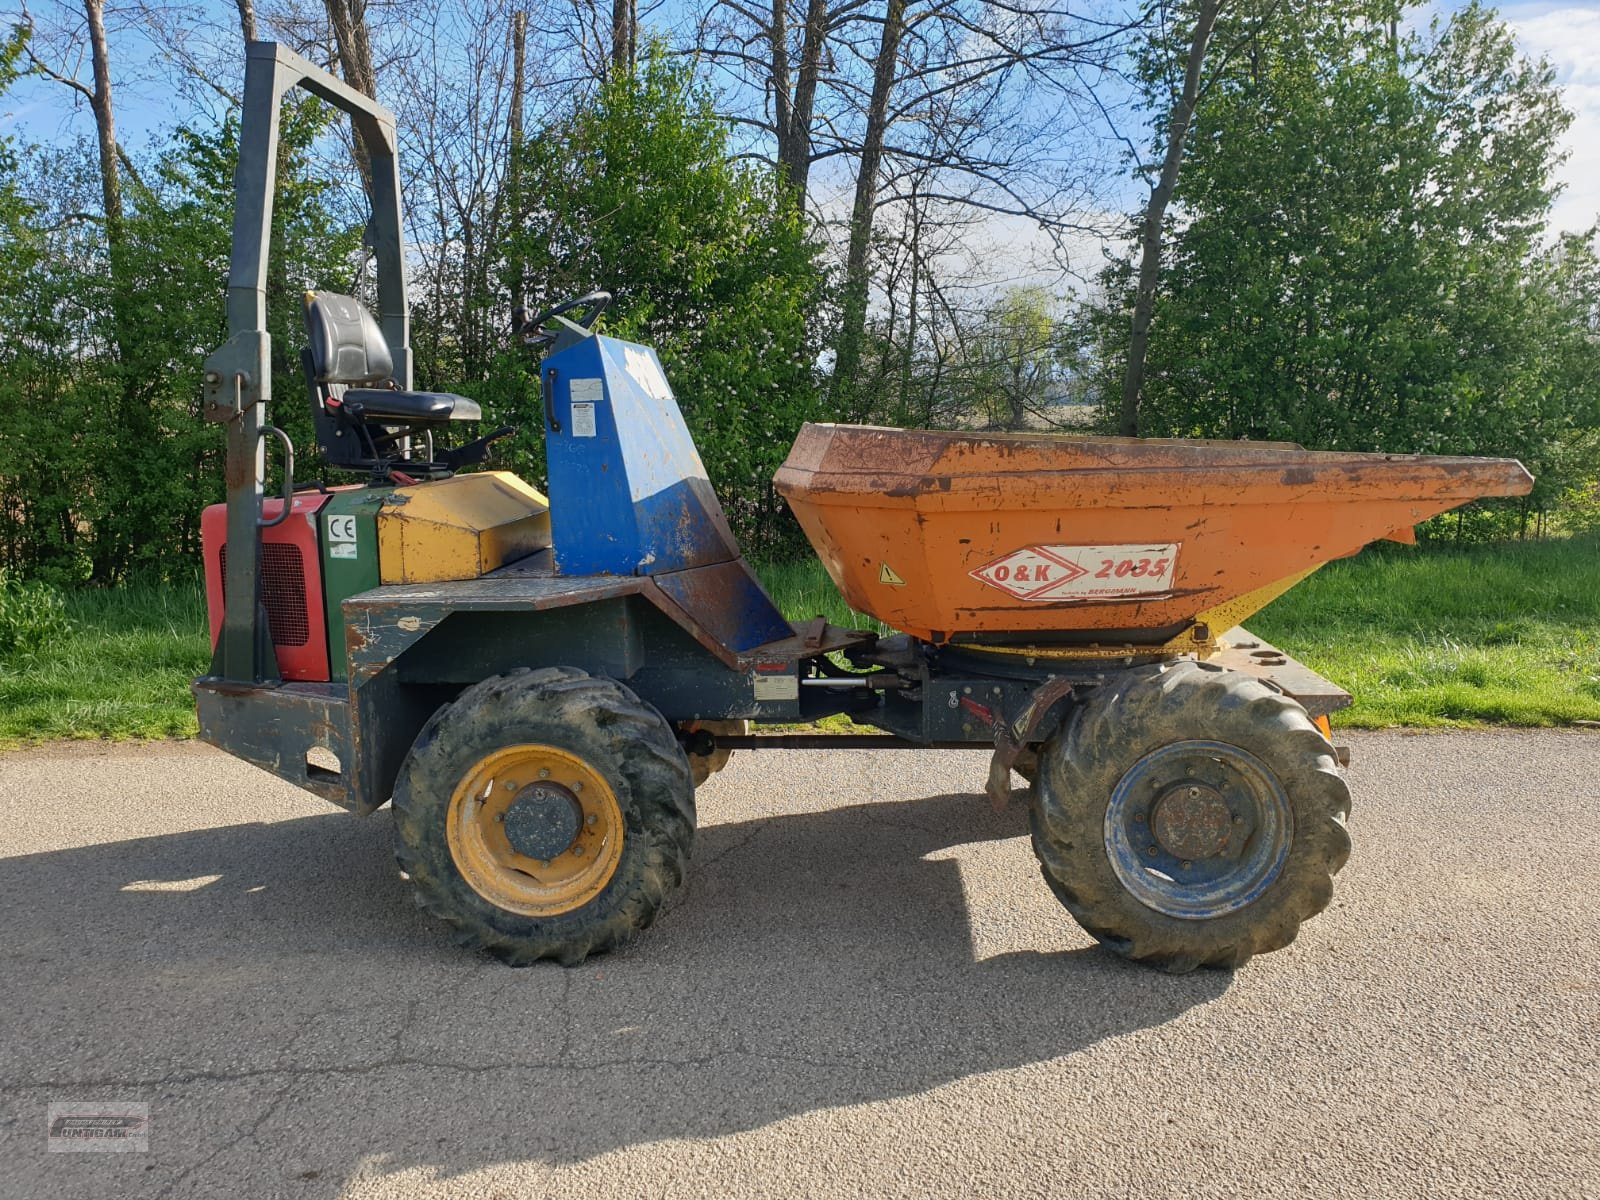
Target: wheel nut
(577,851)
(590,819)
(1194,792)
(577,786)
(1187,865)
(1152,851)
(1237,819)
(544,773)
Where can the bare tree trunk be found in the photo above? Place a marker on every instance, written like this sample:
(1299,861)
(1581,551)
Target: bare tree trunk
(624,35)
(105,122)
(1155,214)
(247,19)
(519,71)
(782,97)
(349,21)
(519,86)
(797,111)
(853,321)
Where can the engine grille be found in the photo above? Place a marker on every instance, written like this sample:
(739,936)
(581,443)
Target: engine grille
(283,591)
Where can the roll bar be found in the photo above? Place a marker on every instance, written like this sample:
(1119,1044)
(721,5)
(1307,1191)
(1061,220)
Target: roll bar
(238,376)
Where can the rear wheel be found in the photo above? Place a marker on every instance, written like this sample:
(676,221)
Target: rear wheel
(1189,816)
(545,814)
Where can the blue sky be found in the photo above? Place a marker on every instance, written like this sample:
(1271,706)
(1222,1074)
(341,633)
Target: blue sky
(1568,34)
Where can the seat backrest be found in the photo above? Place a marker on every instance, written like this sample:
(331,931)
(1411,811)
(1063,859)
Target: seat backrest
(347,345)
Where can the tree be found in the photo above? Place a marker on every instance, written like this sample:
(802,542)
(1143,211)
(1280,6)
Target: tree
(1016,359)
(709,260)
(958,107)
(1181,112)
(1358,264)
(85,491)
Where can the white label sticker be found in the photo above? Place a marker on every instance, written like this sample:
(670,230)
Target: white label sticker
(587,390)
(342,550)
(777,687)
(1056,573)
(341,529)
(582,418)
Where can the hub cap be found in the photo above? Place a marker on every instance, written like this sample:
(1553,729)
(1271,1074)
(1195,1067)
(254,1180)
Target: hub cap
(1191,821)
(543,821)
(1198,829)
(535,830)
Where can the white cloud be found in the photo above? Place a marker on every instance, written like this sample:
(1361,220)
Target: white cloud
(1569,36)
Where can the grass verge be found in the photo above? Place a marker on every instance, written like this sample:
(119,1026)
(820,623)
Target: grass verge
(122,672)
(1504,634)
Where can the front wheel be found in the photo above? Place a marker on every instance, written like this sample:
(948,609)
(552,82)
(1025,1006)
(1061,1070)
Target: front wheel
(545,814)
(1190,816)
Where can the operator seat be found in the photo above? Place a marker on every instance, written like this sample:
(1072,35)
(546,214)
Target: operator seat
(364,420)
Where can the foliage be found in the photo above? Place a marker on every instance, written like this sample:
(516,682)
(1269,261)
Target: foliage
(1500,633)
(123,670)
(32,617)
(1006,364)
(1356,260)
(1015,362)
(709,261)
(105,460)
(1437,636)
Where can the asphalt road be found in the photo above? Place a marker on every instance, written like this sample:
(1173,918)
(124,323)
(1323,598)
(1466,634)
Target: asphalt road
(866,990)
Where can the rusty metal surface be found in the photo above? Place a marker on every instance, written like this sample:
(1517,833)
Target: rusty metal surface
(298,731)
(830,741)
(724,601)
(1253,656)
(1191,821)
(527,584)
(924,529)
(1011,738)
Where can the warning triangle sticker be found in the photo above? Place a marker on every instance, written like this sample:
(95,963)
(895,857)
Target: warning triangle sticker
(886,575)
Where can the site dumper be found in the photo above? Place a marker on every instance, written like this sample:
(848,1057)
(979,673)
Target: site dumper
(539,686)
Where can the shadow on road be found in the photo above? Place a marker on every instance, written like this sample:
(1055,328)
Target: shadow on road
(816,960)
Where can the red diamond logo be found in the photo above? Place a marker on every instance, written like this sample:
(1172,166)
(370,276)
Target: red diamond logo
(1028,572)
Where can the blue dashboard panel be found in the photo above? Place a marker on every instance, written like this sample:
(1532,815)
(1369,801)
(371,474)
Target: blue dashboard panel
(629,494)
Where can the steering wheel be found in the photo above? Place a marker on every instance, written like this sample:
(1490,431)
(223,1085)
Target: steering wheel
(532,330)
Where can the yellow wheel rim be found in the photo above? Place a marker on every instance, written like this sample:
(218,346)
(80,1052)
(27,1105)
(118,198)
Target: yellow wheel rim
(509,822)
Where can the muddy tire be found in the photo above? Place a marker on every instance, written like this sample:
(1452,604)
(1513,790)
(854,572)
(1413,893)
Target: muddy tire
(544,814)
(1189,816)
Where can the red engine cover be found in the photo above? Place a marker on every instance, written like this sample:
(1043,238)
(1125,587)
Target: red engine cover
(291,582)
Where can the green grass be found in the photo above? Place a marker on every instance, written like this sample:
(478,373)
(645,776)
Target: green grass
(803,590)
(123,671)
(1504,634)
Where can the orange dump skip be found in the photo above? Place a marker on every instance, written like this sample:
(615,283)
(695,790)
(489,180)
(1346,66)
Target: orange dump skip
(1037,537)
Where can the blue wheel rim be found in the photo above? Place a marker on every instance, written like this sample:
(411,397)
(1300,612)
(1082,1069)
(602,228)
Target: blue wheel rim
(1198,829)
